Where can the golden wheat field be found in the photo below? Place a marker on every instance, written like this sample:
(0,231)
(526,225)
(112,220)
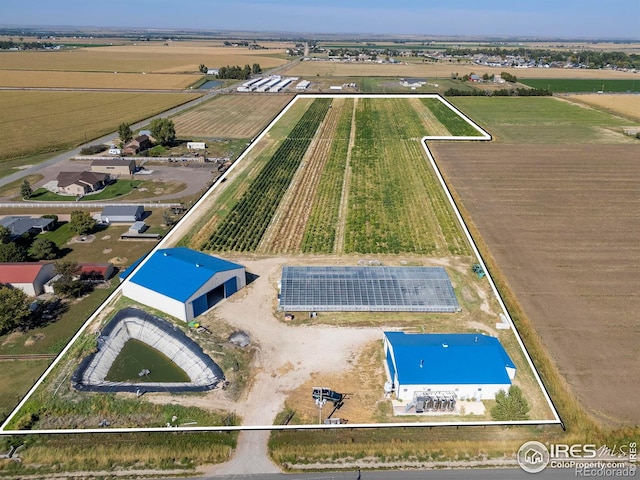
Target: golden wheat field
(154,58)
(111,80)
(435,70)
(230,116)
(34,122)
(623,104)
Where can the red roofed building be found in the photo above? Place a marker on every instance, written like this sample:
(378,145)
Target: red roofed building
(29,277)
(96,271)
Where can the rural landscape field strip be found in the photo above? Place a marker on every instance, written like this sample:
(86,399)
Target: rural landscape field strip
(153,58)
(95,80)
(429,120)
(563,230)
(320,234)
(542,120)
(455,124)
(243,228)
(581,85)
(230,116)
(395,203)
(286,233)
(64,119)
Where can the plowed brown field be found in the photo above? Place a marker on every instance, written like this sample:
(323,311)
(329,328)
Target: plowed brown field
(563,223)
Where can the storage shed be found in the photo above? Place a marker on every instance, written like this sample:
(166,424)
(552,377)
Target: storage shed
(29,277)
(122,213)
(469,365)
(183,282)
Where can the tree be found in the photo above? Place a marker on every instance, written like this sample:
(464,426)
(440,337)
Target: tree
(13,307)
(81,222)
(69,283)
(163,130)
(255,69)
(167,219)
(43,249)
(203,68)
(25,189)
(5,234)
(125,133)
(12,252)
(511,405)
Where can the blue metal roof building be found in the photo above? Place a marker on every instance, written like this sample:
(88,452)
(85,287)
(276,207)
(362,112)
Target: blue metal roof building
(183,282)
(470,365)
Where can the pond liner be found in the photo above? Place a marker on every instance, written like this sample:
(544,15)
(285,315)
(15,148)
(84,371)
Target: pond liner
(167,334)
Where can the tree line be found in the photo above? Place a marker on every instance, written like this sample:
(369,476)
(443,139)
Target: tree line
(239,73)
(10,44)
(504,92)
(589,58)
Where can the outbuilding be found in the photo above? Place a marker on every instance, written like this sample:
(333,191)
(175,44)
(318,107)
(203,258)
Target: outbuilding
(114,167)
(29,277)
(182,282)
(122,213)
(467,365)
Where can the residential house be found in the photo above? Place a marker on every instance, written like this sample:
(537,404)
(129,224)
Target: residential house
(137,145)
(81,183)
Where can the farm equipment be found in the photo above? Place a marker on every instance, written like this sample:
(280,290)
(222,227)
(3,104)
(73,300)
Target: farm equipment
(478,270)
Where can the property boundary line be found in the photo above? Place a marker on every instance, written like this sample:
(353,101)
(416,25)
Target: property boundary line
(484,136)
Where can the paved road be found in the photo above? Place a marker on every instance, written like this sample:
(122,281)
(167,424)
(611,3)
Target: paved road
(466,474)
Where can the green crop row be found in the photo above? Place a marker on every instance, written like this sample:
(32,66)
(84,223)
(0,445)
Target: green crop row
(320,234)
(245,224)
(456,125)
(395,202)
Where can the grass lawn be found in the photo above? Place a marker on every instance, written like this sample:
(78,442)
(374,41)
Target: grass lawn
(52,338)
(16,378)
(60,236)
(117,189)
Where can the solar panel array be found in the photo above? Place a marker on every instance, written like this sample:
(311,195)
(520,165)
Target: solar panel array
(367,289)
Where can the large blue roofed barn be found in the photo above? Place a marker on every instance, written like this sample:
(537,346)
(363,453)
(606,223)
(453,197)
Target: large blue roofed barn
(180,275)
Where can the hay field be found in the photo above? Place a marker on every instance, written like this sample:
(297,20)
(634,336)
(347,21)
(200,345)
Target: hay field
(562,223)
(435,70)
(154,58)
(230,116)
(540,120)
(112,80)
(34,122)
(621,104)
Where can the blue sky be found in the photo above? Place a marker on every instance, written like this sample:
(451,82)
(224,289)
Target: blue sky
(548,18)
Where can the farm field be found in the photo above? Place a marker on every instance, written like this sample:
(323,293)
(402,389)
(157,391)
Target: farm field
(153,58)
(626,105)
(95,80)
(65,119)
(246,222)
(562,224)
(441,70)
(543,120)
(574,85)
(230,116)
(345,197)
